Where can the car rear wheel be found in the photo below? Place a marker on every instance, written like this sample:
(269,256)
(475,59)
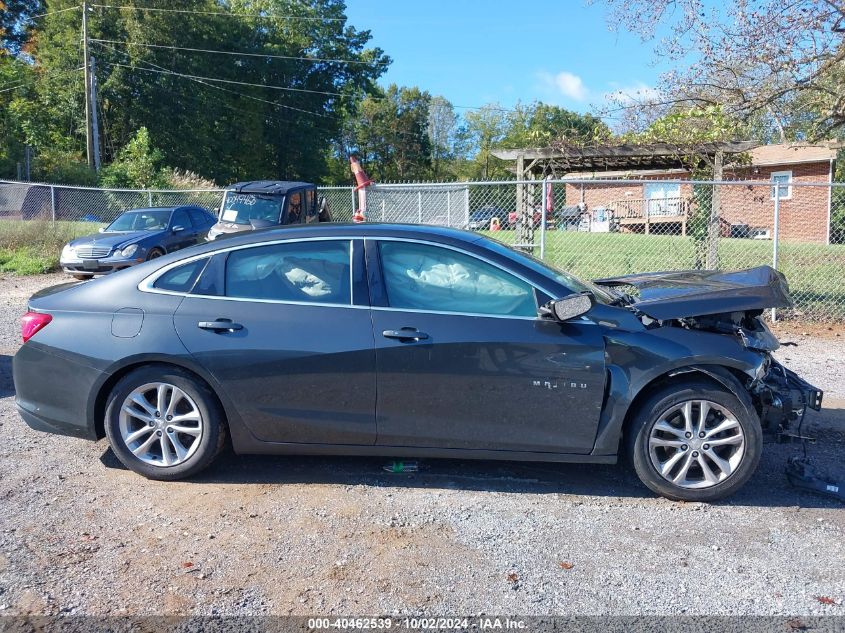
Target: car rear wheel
(163,423)
(694,441)
(81,277)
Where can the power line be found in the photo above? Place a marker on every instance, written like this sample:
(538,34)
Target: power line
(21,84)
(264,55)
(201,82)
(241,83)
(266,16)
(44,15)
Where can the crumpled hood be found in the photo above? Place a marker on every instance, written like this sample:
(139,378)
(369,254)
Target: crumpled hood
(690,293)
(112,240)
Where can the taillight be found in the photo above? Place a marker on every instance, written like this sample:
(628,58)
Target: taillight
(32,322)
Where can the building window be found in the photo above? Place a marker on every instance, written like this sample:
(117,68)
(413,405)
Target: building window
(784,180)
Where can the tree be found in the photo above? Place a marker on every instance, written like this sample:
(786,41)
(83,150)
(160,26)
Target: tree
(16,23)
(138,165)
(539,124)
(763,60)
(485,129)
(320,67)
(390,133)
(442,124)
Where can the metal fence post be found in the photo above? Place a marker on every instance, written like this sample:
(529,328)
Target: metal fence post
(53,202)
(466,205)
(544,199)
(448,207)
(352,191)
(775,237)
(419,207)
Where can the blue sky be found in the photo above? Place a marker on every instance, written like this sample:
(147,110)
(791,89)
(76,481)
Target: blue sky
(474,52)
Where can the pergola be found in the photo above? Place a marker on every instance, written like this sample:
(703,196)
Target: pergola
(549,161)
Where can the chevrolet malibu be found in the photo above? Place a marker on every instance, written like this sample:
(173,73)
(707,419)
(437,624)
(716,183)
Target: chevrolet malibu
(135,236)
(402,340)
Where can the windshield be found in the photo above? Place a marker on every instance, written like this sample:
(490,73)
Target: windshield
(146,220)
(240,208)
(602,295)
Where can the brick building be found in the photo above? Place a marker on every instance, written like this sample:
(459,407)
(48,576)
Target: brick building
(662,207)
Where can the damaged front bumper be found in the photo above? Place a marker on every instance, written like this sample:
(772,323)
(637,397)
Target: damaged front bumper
(783,398)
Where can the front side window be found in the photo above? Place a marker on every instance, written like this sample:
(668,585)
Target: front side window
(426,277)
(783,184)
(311,272)
(241,208)
(180,218)
(295,208)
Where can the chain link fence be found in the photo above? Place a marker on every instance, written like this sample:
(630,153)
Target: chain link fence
(591,228)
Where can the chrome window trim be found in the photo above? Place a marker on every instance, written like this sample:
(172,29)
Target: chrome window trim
(148,283)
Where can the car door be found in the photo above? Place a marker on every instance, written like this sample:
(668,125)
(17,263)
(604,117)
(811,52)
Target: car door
(182,231)
(285,329)
(202,221)
(465,362)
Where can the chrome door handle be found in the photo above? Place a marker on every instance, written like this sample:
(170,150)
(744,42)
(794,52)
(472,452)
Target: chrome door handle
(220,325)
(405,334)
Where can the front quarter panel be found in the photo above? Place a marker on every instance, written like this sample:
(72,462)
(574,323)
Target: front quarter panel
(635,359)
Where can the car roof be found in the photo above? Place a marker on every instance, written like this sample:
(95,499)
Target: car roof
(268,186)
(362,230)
(183,206)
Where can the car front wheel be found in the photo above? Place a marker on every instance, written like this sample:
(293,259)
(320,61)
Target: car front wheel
(163,423)
(694,441)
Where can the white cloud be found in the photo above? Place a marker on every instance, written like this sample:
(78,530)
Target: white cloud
(567,84)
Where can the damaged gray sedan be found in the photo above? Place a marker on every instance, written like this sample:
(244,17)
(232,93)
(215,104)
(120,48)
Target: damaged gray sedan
(412,341)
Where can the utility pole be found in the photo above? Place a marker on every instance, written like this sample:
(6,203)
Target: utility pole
(89,133)
(95,127)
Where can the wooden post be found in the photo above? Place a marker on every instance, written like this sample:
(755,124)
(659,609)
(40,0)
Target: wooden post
(713,224)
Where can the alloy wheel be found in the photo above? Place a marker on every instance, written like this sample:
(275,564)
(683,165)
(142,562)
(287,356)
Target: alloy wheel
(696,444)
(160,424)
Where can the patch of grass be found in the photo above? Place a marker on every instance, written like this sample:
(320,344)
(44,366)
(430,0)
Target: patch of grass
(32,247)
(816,272)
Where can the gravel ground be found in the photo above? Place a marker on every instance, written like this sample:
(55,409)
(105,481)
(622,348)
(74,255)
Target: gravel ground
(258,535)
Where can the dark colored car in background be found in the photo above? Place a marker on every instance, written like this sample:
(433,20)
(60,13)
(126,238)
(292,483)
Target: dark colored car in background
(259,204)
(480,219)
(403,340)
(134,237)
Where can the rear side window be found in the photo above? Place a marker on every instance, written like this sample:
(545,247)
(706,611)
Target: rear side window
(310,272)
(182,278)
(425,277)
(199,218)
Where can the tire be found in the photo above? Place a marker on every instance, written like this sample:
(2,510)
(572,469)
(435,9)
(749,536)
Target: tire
(81,277)
(659,435)
(154,252)
(195,410)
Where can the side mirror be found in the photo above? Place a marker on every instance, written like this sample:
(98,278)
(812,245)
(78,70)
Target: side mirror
(102,229)
(178,228)
(570,307)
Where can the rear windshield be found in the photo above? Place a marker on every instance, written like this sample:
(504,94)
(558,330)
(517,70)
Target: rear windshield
(240,208)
